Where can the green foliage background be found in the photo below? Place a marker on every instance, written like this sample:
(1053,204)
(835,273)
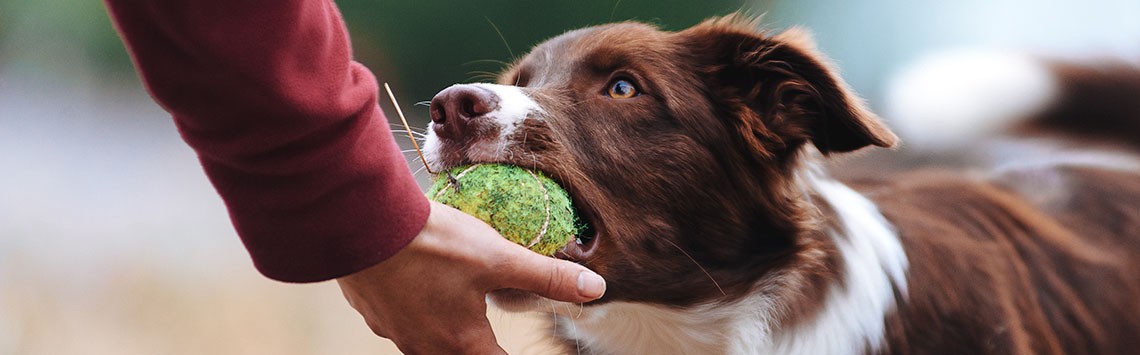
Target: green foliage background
(418,46)
(425,46)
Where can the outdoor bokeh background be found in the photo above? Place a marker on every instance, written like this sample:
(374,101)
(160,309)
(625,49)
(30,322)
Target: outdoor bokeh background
(113,242)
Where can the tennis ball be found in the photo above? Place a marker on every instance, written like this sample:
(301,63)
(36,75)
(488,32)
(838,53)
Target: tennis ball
(525,206)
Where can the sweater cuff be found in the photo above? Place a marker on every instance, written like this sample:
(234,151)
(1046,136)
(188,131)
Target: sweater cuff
(308,229)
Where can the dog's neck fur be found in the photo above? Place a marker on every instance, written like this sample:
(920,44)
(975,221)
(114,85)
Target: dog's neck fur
(850,320)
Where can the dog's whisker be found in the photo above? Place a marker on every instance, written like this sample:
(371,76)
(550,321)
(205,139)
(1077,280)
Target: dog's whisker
(479,79)
(407,128)
(401,126)
(420,134)
(614,11)
(554,320)
(481,72)
(396,124)
(482,75)
(420,170)
(573,329)
(417,134)
(574,105)
(717,284)
(422,103)
(504,38)
(496,61)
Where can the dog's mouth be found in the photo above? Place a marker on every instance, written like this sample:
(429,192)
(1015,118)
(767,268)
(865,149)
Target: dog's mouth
(579,250)
(585,243)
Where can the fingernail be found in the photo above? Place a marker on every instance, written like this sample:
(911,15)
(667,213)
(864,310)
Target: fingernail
(591,285)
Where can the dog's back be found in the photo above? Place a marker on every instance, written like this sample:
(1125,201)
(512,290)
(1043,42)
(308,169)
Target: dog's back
(1036,253)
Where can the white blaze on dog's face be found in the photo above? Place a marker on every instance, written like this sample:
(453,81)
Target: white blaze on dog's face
(679,149)
(498,112)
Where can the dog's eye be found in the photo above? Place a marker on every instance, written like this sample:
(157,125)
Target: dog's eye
(622,89)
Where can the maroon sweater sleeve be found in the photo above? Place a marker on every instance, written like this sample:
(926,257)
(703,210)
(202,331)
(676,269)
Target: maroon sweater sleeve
(285,125)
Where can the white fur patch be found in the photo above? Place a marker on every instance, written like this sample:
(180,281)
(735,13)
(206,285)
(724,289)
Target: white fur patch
(874,262)
(850,321)
(431,148)
(636,328)
(514,107)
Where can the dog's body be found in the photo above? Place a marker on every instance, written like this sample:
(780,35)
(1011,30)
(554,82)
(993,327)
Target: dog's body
(695,156)
(1038,260)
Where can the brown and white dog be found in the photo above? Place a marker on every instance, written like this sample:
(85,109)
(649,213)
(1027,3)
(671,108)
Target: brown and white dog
(695,156)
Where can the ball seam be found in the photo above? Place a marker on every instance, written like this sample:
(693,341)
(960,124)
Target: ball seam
(546,200)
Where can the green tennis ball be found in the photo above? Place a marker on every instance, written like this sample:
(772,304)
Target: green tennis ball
(525,206)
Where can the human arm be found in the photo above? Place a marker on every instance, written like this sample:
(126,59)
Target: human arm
(287,128)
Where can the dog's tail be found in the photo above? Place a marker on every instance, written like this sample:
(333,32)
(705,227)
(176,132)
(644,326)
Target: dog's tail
(953,100)
(1097,101)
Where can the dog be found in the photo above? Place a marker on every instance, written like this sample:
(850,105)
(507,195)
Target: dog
(698,157)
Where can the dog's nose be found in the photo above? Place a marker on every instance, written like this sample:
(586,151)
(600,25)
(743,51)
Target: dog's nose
(455,108)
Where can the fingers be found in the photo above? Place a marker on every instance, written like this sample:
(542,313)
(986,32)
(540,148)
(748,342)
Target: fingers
(551,278)
(513,266)
(466,339)
(419,325)
(429,298)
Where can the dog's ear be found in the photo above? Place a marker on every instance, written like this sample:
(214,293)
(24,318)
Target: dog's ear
(781,90)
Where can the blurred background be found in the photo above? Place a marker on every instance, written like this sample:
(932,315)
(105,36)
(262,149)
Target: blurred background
(112,241)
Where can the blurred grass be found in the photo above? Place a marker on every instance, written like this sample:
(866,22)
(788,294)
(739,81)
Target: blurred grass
(137,309)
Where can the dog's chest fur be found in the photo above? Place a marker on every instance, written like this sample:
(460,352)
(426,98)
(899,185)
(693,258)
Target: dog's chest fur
(985,270)
(850,320)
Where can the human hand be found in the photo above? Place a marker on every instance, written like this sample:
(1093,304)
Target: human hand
(430,298)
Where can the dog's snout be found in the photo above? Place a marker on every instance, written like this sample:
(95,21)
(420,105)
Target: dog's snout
(454,108)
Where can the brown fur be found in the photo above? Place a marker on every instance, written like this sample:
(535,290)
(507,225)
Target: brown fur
(720,128)
(692,190)
(993,273)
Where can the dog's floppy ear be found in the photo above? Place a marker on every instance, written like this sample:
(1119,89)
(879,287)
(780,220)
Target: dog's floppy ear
(781,89)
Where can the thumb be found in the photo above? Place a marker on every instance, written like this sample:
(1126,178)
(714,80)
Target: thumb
(552,278)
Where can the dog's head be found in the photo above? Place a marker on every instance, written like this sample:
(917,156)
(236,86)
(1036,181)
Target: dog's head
(679,148)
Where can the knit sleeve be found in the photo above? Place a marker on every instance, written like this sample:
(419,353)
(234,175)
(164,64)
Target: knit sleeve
(285,125)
